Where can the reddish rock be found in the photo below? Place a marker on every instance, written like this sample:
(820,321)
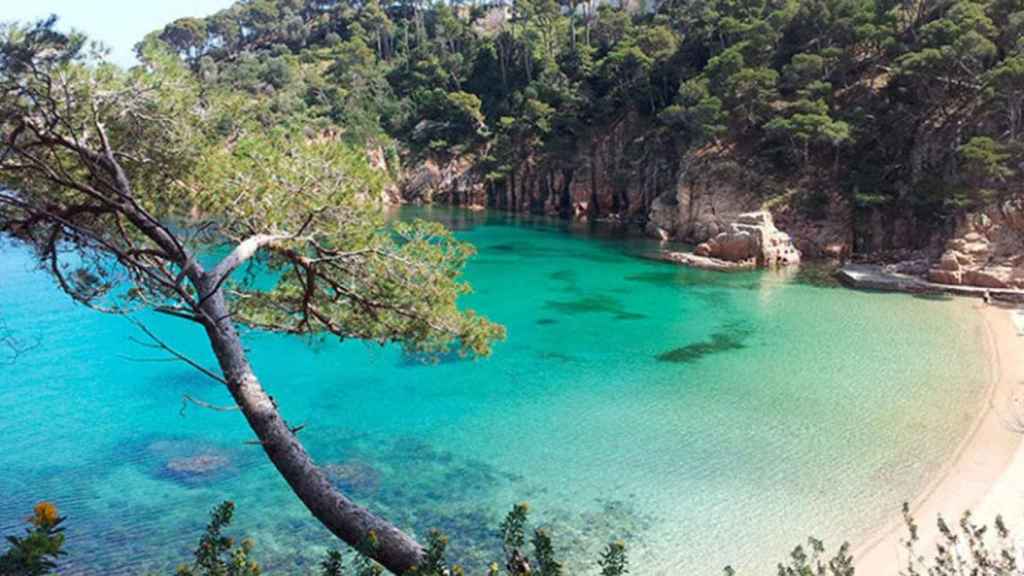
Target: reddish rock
(940,276)
(753,236)
(988,250)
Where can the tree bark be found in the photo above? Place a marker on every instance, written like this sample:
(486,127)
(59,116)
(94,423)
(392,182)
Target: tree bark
(357,526)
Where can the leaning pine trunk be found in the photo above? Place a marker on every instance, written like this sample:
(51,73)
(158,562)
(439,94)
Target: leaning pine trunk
(357,526)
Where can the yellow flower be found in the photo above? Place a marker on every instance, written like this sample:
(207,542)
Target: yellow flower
(45,514)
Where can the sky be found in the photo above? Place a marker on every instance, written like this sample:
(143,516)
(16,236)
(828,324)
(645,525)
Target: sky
(117,23)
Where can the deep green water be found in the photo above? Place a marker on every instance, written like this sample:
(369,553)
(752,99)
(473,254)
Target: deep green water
(704,418)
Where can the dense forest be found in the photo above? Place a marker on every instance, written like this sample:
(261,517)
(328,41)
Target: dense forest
(909,108)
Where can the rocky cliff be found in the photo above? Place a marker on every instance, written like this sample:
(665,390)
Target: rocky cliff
(987,249)
(708,195)
(706,199)
(615,174)
(691,201)
(454,181)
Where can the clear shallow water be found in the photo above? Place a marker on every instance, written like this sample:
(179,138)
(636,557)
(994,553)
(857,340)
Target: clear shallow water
(704,418)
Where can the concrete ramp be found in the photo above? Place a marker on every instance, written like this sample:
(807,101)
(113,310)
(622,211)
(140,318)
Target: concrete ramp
(873,277)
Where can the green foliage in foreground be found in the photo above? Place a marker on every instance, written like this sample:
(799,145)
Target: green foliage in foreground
(969,549)
(36,553)
(202,162)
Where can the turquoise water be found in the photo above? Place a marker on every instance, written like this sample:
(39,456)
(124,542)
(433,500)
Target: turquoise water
(704,418)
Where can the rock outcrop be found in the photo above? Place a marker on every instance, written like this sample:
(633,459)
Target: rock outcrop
(706,262)
(988,250)
(753,238)
(377,157)
(709,194)
(456,181)
(713,190)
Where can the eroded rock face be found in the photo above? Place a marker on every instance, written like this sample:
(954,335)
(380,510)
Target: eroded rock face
(376,156)
(663,218)
(752,237)
(711,194)
(692,200)
(988,250)
(453,182)
(713,190)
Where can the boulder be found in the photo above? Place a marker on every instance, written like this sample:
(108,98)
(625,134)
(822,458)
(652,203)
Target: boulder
(990,277)
(940,276)
(986,251)
(707,263)
(838,251)
(751,237)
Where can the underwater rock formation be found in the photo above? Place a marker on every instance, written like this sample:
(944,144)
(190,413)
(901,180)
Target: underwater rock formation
(189,461)
(354,476)
(200,464)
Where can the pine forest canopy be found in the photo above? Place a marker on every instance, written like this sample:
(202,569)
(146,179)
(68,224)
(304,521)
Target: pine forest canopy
(911,105)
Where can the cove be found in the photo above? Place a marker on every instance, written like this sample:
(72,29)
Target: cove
(706,419)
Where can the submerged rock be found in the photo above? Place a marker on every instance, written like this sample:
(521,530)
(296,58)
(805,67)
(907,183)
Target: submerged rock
(197,465)
(353,476)
(189,461)
(732,337)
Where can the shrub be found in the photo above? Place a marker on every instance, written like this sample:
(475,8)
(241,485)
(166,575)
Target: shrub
(966,550)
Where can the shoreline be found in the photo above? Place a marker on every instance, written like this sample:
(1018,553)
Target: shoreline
(980,473)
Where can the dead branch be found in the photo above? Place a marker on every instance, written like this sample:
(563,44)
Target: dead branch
(187,398)
(160,344)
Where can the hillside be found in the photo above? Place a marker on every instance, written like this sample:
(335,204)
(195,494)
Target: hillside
(867,126)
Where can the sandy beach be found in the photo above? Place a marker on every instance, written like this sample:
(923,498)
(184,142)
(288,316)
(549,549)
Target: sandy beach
(986,472)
